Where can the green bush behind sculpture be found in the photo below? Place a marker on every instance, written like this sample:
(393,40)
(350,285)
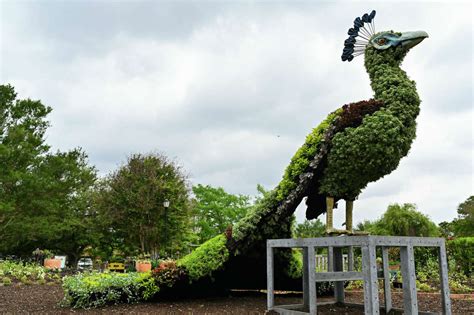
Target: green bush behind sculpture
(461,250)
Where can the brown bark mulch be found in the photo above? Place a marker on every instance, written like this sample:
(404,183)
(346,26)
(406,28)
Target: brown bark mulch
(45,298)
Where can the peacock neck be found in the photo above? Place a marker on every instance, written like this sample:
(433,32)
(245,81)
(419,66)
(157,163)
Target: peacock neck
(392,86)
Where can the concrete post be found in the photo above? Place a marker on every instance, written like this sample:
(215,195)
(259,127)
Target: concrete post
(338,266)
(312,281)
(350,259)
(443,276)
(305,277)
(330,258)
(407,260)
(270,284)
(369,269)
(386,280)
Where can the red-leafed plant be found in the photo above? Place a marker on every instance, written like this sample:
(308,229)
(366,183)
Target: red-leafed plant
(168,273)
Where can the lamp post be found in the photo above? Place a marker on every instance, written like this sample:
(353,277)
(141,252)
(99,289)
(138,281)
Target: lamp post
(166,204)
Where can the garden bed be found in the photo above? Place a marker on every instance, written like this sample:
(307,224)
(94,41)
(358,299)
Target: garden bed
(45,298)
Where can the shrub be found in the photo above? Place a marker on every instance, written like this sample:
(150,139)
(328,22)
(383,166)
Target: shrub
(295,266)
(355,285)
(460,249)
(168,273)
(22,272)
(457,286)
(96,289)
(206,258)
(6,281)
(423,287)
(25,280)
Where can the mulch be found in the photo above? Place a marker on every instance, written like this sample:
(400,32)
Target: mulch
(43,299)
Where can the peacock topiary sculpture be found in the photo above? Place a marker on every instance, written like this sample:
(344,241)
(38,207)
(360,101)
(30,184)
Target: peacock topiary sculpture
(357,144)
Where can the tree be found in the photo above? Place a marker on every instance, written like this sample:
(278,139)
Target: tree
(130,205)
(215,210)
(41,193)
(446,229)
(463,225)
(307,229)
(402,220)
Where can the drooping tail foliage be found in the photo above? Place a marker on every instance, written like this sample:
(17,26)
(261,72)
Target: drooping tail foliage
(240,260)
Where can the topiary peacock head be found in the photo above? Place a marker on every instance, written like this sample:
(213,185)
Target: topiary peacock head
(383,47)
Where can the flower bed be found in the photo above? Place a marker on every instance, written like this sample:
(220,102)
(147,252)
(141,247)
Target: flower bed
(26,273)
(97,289)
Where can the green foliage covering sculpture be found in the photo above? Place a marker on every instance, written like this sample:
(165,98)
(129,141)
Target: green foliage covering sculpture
(355,145)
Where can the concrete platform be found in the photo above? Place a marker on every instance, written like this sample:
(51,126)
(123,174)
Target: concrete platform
(335,273)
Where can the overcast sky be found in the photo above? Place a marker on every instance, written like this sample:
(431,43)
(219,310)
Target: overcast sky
(231,89)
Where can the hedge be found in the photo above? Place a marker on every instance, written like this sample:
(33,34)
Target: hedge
(462,251)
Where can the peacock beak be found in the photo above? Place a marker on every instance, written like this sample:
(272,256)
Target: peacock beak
(411,39)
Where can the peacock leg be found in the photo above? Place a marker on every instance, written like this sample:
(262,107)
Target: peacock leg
(329,218)
(349,208)
(329,214)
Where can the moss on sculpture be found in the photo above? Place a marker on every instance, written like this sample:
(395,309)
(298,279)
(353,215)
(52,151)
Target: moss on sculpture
(353,146)
(206,259)
(300,161)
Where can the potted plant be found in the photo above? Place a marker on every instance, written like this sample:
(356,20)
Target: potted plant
(49,261)
(143,264)
(394,265)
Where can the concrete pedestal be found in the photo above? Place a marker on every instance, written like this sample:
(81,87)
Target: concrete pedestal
(368,245)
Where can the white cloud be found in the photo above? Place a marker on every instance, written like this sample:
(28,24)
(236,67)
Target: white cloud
(232,90)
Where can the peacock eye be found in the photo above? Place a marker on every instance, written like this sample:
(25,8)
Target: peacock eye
(381,41)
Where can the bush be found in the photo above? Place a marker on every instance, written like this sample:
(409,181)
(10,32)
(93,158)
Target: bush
(206,258)
(168,273)
(423,287)
(355,285)
(457,286)
(6,281)
(460,249)
(26,273)
(97,289)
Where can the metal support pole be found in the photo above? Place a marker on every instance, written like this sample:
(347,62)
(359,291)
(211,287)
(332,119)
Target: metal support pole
(369,269)
(443,276)
(312,281)
(407,260)
(270,279)
(338,266)
(386,281)
(305,277)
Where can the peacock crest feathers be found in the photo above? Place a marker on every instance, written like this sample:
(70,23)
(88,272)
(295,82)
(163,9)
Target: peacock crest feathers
(359,36)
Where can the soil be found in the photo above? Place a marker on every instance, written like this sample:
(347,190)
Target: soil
(35,298)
